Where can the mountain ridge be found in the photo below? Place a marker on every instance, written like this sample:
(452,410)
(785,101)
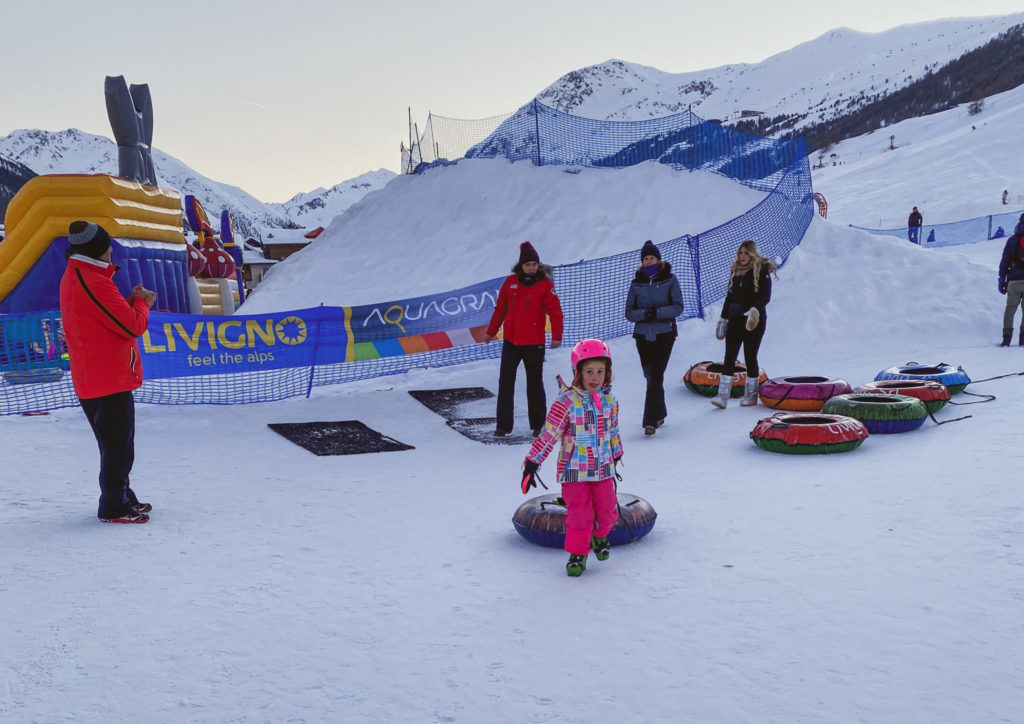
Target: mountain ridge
(75,151)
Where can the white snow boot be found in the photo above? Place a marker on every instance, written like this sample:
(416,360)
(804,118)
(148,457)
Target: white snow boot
(724,391)
(750,389)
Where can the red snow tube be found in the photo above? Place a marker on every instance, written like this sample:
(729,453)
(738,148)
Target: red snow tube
(801,393)
(808,434)
(933,394)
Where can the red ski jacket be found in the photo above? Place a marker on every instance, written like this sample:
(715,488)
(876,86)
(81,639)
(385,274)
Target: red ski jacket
(521,309)
(101,329)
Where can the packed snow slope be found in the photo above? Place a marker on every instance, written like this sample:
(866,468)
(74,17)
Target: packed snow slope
(883,585)
(458,225)
(271,585)
(952,165)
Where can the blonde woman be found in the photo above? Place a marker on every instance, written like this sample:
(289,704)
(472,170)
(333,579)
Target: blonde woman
(743,319)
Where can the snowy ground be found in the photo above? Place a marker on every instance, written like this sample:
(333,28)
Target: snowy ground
(881,585)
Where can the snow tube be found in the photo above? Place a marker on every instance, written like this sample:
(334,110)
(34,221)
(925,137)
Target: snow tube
(541,520)
(801,393)
(807,434)
(933,394)
(881,414)
(703,377)
(954,378)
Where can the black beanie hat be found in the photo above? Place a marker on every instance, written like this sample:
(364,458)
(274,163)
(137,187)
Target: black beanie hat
(649,249)
(527,253)
(88,239)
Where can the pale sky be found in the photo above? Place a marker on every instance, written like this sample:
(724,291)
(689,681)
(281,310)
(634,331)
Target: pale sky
(282,97)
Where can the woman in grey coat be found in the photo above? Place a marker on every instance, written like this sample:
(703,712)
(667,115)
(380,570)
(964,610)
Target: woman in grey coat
(653,303)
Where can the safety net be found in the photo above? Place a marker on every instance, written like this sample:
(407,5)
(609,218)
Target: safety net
(195,359)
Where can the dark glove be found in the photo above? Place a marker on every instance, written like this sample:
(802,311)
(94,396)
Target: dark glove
(530,477)
(650,314)
(1002,285)
(615,468)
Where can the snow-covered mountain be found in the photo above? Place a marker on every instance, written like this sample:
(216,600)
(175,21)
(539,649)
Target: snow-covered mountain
(317,207)
(73,151)
(827,77)
(13,176)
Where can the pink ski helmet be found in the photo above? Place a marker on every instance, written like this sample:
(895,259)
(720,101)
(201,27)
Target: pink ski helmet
(588,349)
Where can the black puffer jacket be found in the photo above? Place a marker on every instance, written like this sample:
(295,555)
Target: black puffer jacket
(742,296)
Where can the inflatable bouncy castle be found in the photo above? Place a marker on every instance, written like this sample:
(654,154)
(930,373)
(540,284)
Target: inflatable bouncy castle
(144,221)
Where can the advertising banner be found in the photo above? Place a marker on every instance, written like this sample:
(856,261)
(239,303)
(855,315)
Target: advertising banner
(182,345)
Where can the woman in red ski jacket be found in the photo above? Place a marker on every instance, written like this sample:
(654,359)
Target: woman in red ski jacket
(526,300)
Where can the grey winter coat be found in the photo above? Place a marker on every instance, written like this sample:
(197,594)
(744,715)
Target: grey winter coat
(661,292)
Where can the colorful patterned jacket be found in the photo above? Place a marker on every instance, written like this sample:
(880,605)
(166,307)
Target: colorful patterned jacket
(588,426)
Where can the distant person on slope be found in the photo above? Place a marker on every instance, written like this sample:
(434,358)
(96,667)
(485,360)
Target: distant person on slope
(526,300)
(914,223)
(1006,196)
(101,329)
(585,418)
(743,320)
(1011,283)
(653,302)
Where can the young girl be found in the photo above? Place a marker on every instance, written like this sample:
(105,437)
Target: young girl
(586,419)
(743,319)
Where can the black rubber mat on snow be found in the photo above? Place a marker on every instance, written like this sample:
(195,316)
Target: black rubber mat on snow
(345,437)
(470,412)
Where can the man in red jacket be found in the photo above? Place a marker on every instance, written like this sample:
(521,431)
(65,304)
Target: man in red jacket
(101,330)
(526,300)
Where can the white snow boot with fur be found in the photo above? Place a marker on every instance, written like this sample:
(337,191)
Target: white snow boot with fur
(750,389)
(724,391)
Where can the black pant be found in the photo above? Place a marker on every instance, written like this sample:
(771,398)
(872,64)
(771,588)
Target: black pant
(654,358)
(736,334)
(532,357)
(112,419)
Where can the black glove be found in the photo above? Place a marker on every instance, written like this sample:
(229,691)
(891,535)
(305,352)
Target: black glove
(650,314)
(615,468)
(1002,285)
(530,477)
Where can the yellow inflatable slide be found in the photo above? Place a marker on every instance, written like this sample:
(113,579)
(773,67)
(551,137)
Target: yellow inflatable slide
(44,207)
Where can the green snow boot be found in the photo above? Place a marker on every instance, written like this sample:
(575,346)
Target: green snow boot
(576,565)
(601,547)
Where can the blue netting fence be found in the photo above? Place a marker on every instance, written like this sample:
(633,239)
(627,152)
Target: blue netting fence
(546,136)
(967,231)
(33,365)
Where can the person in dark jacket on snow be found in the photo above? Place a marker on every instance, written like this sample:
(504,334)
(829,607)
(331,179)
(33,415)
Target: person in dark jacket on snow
(743,320)
(101,329)
(914,223)
(1011,283)
(1019,228)
(653,302)
(526,301)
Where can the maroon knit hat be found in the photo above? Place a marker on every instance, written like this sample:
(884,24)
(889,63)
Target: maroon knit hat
(527,253)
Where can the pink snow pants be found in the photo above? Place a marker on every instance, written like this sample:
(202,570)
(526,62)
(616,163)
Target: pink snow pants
(592,510)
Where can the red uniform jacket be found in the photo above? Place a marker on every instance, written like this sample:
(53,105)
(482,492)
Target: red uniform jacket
(522,310)
(101,329)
